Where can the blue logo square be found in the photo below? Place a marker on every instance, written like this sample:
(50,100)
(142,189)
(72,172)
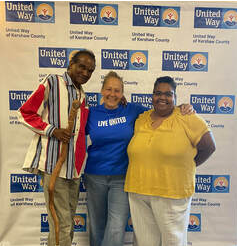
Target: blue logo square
(194,223)
(221,184)
(138,60)
(225,104)
(108,14)
(18,98)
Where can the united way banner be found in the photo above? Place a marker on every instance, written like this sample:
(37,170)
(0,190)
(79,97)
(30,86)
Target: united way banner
(194,42)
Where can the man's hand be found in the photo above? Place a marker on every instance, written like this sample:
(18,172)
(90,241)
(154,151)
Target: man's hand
(186,109)
(62,135)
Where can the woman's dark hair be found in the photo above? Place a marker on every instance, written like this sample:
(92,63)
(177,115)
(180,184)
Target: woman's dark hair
(165,79)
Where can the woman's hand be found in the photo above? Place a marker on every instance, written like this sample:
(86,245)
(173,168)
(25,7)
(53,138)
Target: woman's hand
(186,109)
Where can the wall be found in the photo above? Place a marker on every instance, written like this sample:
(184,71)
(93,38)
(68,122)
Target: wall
(194,42)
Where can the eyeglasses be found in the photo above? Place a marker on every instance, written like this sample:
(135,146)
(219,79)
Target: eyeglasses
(166,94)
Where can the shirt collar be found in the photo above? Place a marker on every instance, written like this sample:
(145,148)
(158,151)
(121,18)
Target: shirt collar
(67,78)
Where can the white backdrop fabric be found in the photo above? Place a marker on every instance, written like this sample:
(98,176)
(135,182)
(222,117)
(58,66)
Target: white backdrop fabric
(194,42)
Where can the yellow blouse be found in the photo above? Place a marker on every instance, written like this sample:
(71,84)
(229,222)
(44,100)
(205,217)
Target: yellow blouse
(161,160)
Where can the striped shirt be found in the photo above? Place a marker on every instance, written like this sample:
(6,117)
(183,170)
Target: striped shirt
(48,108)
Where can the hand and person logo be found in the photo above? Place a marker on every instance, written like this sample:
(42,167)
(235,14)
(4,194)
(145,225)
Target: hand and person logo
(138,59)
(108,14)
(230,18)
(80,222)
(198,61)
(225,104)
(221,184)
(44,12)
(170,16)
(194,223)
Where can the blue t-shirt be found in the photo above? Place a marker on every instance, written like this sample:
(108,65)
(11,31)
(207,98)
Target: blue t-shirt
(110,132)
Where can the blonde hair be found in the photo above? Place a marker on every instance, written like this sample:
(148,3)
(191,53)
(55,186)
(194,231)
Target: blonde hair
(112,74)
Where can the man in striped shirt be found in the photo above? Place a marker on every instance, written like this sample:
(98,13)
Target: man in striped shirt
(46,113)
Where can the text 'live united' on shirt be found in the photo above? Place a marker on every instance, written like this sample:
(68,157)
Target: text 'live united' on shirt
(110,132)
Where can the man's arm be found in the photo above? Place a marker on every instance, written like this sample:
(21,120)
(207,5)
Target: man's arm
(30,113)
(205,148)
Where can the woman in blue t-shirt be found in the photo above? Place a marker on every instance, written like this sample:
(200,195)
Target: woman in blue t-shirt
(110,127)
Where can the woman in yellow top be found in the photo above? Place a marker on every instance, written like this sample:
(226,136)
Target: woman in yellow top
(163,155)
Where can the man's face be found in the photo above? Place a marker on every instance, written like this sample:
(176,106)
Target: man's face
(81,71)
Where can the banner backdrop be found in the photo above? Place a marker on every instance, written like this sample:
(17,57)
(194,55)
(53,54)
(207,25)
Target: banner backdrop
(194,42)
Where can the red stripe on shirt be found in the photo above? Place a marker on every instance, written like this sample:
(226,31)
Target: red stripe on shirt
(80,152)
(30,108)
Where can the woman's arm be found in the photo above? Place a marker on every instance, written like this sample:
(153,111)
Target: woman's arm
(205,148)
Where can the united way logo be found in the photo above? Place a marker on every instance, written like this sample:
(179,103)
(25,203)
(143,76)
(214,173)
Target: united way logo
(55,57)
(213,104)
(124,59)
(23,11)
(44,12)
(80,222)
(25,183)
(215,18)
(170,17)
(184,61)
(108,15)
(93,14)
(230,18)
(18,98)
(199,62)
(93,99)
(138,60)
(44,223)
(203,183)
(144,100)
(155,16)
(221,184)
(225,104)
(212,183)
(194,223)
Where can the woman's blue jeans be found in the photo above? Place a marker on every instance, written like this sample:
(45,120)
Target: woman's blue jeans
(108,209)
